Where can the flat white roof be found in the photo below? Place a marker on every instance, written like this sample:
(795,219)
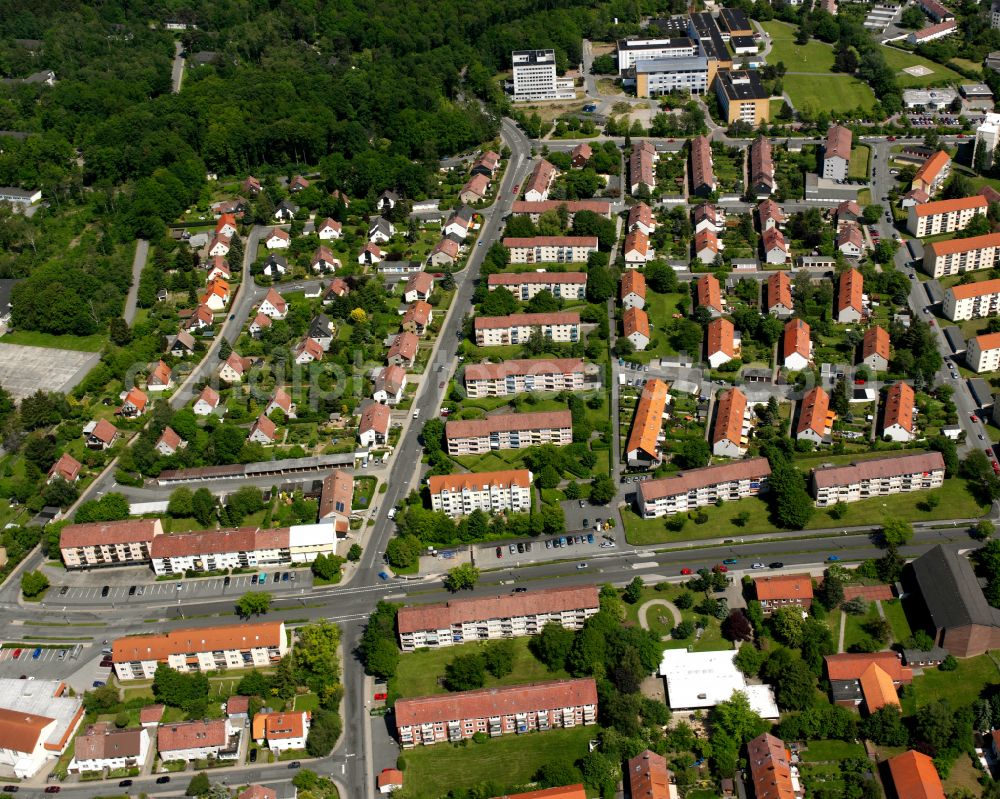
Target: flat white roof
(311,535)
(39,697)
(703,679)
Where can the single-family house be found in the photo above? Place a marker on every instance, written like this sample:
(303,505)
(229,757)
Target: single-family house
(134,402)
(274,305)
(403,350)
(263,431)
(419,286)
(207,402)
(323,260)
(100,434)
(286,211)
(216,296)
(418,317)
(169,442)
(280,400)
(278,240)
(445,253)
(373,428)
(181,345)
(370,254)
(475,189)
(66,468)
(275,265)
(329,229)
(259,324)
(635,323)
(796,345)
(390,382)
(380,230)
(234,367)
(307,351)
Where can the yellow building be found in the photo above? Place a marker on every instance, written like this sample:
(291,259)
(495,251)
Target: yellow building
(742,97)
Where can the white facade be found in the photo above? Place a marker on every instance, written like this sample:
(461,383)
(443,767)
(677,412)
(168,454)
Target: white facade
(946,259)
(944,216)
(502,335)
(983,354)
(460,495)
(555,249)
(855,488)
(114,760)
(699,487)
(960,304)
(534,77)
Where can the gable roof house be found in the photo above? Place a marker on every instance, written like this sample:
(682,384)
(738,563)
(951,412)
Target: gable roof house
(445,253)
(898,417)
(169,442)
(278,239)
(815,417)
(338,288)
(323,260)
(234,367)
(181,345)
(581,155)
(329,229)
(251,186)
(419,286)
(216,296)
(307,350)
(775,246)
(633,289)
(779,295)
(709,294)
(797,348)
(403,350)
(848,211)
(732,427)
(706,246)
(486,164)
(263,431)
(769,215)
(100,434)
(418,318)
(201,317)
(390,382)
(783,590)
(640,217)
(875,349)
(226,225)
(850,297)
(635,327)
(380,230)
(637,250)
(708,217)
(219,246)
(459,222)
(370,254)
(475,189)
(207,402)
(850,241)
(66,468)
(721,342)
(273,305)
(160,378)
(219,268)
(259,324)
(537,186)
(914,776)
(762,181)
(134,402)
(373,427)
(297,184)
(703,180)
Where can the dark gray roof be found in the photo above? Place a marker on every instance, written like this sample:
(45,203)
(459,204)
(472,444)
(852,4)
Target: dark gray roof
(920,656)
(845,690)
(951,591)
(981,392)
(955,339)
(204,56)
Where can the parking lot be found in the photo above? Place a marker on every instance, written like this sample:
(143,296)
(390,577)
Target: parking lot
(49,665)
(536,551)
(138,592)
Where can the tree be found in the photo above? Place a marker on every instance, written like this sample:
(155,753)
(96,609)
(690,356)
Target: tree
(253,603)
(983,530)
(600,772)
(736,627)
(199,785)
(178,689)
(465,673)
(693,453)
(789,499)
(180,505)
(498,657)
(464,576)
(33,584)
(354,553)
(749,660)
(600,284)
(793,682)
(787,625)
(633,591)
(203,506)
(552,645)
(602,490)
(830,592)
(884,727)
(896,532)
(403,552)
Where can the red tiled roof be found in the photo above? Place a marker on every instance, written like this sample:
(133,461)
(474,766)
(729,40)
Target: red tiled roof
(128,531)
(709,293)
(448,246)
(967,291)
(405,346)
(638,241)
(279,726)
(648,777)
(443,615)
(850,291)
(633,282)
(693,479)
(640,213)
(948,206)
(104,431)
(701,163)
(505,422)
(151,714)
(489,702)
(209,395)
(476,481)
(541,366)
(796,339)
(770,771)
(706,238)
(769,209)
(988,341)
(761,162)
(248,635)
(275,300)
(779,290)
(899,406)
(337,496)
(551,241)
(838,142)
(877,468)
(774,239)
(729,417)
(191,735)
(602,207)
(422,282)
(216,542)
(635,320)
(932,167)
(527,320)
(648,418)
(170,438)
(540,178)
(20,731)
(953,246)
(477,185)
(784,586)
(814,412)
(258,792)
(237,704)
(914,776)
(851,665)
(875,342)
(375,416)
(877,688)
(265,426)
(720,337)
(529,278)
(67,467)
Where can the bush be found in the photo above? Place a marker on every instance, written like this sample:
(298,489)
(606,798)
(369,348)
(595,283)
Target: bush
(684,600)
(949,664)
(855,607)
(682,631)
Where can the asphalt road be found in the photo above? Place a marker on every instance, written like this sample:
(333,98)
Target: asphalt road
(138,262)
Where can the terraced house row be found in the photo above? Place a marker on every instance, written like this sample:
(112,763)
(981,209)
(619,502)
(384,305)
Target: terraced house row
(499,331)
(508,431)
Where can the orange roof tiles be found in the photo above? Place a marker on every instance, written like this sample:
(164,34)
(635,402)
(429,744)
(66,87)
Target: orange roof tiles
(527,320)
(851,665)
(191,735)
(838,142)
(953,246)
(877,688)
(648,777)
(814,412)
(779,291)
(443,615)
(564,792)
(709,293)
(970,290)
(551,241)
(701,163)
(337,495)
(850,291)
(475,481)
(948,206)
(633,282)
(875,342)
(899,406)
(729,417)
(720,336)
(796,339)
(691,480)
(706,238)
(198,639)
(67,467)
(774,239)
(635,320)
(988,341)
(536,367)
(640,213)
(914,776)
(770,770)
(783,586)
(540,177)
(931,168)
(506,422)
(638,241)
(648,418)
(279,726)
(488,702)
(20,731)
(240,539)
(129,531)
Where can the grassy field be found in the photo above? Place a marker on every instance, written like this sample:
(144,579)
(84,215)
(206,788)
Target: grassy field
(854,632)
(896,617)
(30,338)
(828,92)
(956,502)
(815,56)
(510,761)
(959,687)
(900,59)
(832,750)
(419,672)
(660,308)
(860,156)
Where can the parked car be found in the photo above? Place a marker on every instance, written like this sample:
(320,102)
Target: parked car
(106,590)
(295,764)
(132,590)
(581,566)
(685,570)
(499,552)
(519,590)
(383,575)
(776,565)
(162,780)
(758,565)
(125,784)
(833,558)
(52,789)
(253,755)
(730,561)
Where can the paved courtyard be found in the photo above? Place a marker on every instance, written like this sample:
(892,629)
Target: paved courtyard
(24,370)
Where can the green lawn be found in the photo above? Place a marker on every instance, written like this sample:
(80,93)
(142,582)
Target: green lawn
(899,59)
(509,761)
(959,687)
(860,155)
(956,502)
(419,672)
(896,617)
(815,56)
(30,338)
(828,92)
(660,308)
(832,750)
(854,632)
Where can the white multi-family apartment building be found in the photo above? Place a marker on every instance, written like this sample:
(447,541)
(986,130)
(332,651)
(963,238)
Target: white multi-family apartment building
(983,353)
(525,285)
(198,740)
(698,487)
(878,477)
(495,711)
(491,492)
(944,216)
(731,431)
(955,256)
(837,153)
(550,249)
(535,77)
(632,51)
(503,616)
(241,548)
(524,376)
(204,649)
(508,431)
(499,331)
(971,301)
(119,543)
(103,746)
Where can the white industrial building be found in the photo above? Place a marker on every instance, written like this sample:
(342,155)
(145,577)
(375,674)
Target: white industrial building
(697,680)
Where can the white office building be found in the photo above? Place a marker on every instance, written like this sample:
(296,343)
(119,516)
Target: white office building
(535,77)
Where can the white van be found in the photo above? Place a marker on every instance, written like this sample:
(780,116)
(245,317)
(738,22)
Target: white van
(392,513)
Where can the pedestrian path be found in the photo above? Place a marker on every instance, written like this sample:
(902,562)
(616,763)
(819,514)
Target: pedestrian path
(670,606)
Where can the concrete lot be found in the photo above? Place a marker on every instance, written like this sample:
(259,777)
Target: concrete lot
(24,370)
